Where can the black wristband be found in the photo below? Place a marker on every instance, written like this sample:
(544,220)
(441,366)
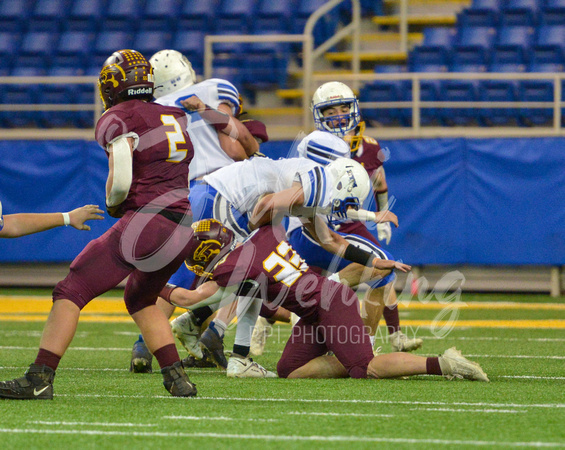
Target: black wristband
(355,254)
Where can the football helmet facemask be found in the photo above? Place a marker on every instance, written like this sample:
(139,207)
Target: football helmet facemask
(351,185)
(329,95)
(173,71)
(125,75)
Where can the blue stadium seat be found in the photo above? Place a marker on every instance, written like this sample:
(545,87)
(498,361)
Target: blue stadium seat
(276,47)
(325,27)
(36,48)
(123,15)
(191,44)
(383,91)
(197,15)
(547,54)
(498,91)
(428,59)
(439,37)
(476,36)
(551,36)
(458,91)
(48,15)
(536,91)
(85,16)
(520,12)
(73,49)
(150,42)
(508,59)
(9,46)
(14,14)
(494,5)
(160,15)
(512,46)
(263,71)
(231,74)
(108,42)
(274,15)
(469,59)
(477,18)
(21,94)
(235,15)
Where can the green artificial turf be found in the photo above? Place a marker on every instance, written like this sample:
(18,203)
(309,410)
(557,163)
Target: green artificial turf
(99,404)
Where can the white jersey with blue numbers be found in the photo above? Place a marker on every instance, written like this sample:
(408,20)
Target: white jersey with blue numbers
(242,183)
(208,154)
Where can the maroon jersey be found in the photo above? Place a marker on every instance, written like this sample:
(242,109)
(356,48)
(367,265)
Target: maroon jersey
(267,258)
(162,156)
(369,155)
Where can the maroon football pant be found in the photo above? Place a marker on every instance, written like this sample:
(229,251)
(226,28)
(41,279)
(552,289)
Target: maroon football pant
(147,247)
(339,330)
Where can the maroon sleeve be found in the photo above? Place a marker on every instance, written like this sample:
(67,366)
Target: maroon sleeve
(257,129)
(111,125)
(238,266)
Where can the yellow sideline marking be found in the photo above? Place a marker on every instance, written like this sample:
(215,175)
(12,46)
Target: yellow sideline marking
(113,310)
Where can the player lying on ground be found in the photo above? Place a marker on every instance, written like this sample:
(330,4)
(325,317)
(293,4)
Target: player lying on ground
(265,265)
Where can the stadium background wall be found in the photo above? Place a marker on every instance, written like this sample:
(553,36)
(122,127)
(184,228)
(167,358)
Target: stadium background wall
(459,201)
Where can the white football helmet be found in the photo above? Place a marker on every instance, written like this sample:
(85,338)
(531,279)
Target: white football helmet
(351,185)
(332,94)
(172,71)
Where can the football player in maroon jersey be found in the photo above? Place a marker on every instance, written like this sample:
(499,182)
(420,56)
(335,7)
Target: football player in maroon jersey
(149,151)
(336,110)
(265,265)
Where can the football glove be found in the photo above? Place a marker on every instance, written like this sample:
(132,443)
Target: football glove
(384,232)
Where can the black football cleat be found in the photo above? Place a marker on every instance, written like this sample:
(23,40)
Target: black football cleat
(36,384)
(214,344)
(192,362)
(176,381)
(141,358)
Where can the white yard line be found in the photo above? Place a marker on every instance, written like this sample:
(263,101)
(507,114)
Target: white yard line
(95,424)
(274,437)
(302,413)
(218,418)
(502,411)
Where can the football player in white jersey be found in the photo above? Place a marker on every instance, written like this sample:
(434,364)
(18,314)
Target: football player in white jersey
(218,139)
(336,110)
(17,225)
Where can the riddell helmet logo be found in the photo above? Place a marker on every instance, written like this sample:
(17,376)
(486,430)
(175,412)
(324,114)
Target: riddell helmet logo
(140,91)
(207,250)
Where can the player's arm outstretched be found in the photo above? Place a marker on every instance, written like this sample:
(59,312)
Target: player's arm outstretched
(206,294)
(17,225)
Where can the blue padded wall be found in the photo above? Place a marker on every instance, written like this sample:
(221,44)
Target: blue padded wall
(473,201)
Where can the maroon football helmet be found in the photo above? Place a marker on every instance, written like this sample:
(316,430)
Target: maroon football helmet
(125,75)
(210,242)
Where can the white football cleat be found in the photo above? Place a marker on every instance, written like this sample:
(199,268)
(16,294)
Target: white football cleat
(187,332)
(454,365)
(239,367)
(401,343)
(261,332)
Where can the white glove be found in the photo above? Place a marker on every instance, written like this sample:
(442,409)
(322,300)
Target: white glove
(384,232)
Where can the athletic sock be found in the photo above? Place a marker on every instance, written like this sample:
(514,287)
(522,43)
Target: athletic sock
(241,350)
(47,358)
(432,366)
(218,326)
(167,355)
(201,314)
(392,319)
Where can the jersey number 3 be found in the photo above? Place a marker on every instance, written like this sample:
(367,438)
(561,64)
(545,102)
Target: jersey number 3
(175,138)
